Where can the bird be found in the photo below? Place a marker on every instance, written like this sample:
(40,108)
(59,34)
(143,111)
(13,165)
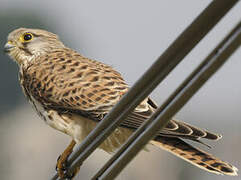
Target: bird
(73,93)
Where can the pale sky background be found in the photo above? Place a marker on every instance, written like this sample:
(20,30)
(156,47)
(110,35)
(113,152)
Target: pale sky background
(128,35)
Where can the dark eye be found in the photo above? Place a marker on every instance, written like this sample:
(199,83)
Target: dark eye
(27,37)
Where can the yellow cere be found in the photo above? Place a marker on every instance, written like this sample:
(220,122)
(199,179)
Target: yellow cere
(10,42)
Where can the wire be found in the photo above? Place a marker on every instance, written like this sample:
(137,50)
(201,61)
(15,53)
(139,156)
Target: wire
(171,106)
(151,78)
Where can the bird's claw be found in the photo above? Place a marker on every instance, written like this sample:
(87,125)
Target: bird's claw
(61,165)
(62,169)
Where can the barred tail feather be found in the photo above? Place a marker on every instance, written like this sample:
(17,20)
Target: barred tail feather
(195,156)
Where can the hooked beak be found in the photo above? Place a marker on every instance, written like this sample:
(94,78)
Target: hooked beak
(8,46)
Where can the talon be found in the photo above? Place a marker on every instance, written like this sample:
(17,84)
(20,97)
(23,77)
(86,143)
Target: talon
(70,177)
(58,158)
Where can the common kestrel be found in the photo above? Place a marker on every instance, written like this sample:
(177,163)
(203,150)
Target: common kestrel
(72,93)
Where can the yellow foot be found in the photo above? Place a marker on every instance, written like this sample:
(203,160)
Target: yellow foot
(61,166)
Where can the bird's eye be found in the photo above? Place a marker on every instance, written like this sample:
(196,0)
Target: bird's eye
(27,37)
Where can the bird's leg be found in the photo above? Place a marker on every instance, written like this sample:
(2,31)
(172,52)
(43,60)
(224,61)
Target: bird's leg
(61,162)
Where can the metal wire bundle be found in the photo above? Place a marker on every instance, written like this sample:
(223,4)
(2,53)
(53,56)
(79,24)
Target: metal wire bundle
(151,78)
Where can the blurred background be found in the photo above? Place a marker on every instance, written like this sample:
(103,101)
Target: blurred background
(128,35)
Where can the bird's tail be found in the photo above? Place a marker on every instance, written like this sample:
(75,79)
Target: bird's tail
(195,156)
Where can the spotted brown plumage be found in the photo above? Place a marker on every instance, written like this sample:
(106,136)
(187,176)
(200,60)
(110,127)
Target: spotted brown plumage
(73,93)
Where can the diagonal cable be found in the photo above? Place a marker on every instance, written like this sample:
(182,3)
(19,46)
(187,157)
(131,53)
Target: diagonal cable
(171,106)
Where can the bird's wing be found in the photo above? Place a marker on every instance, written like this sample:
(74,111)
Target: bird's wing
(66,81)
(174,128)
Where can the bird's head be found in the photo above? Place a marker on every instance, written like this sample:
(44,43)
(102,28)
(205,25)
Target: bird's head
(23,44)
